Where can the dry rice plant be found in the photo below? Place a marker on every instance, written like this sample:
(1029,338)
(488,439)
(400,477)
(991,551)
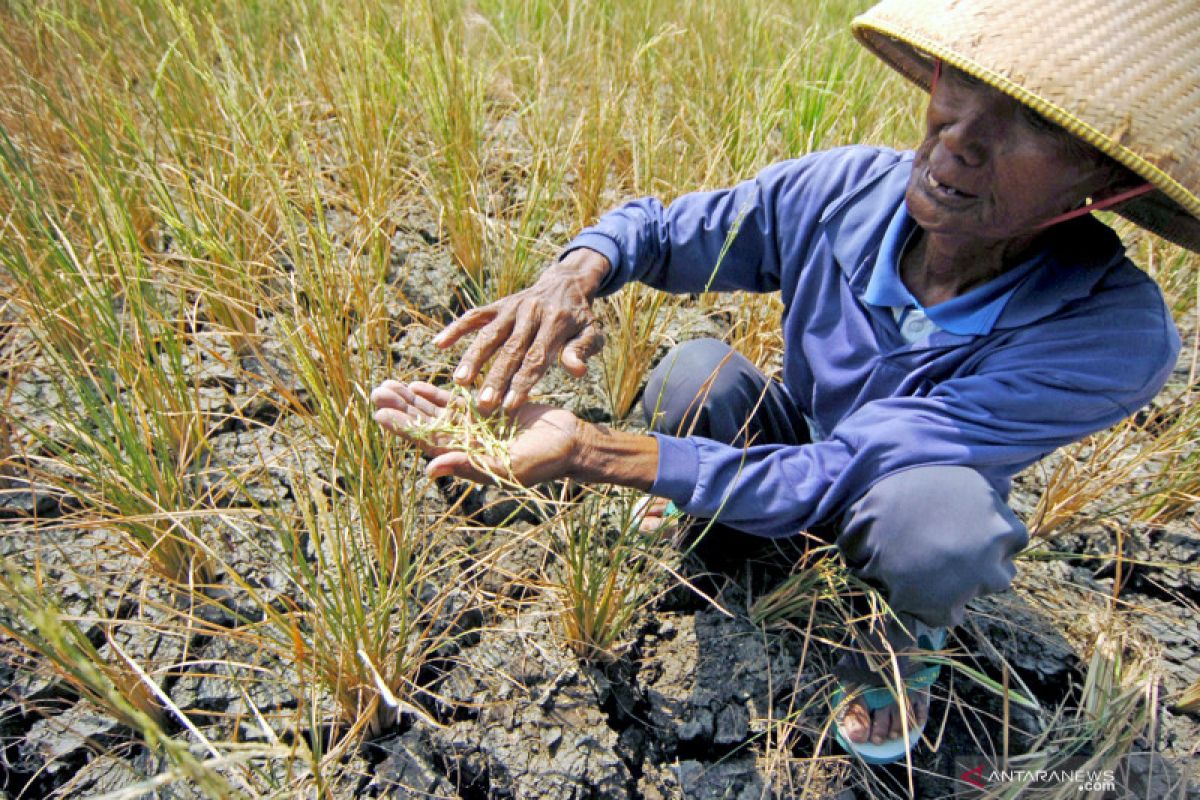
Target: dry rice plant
(1174,489)
(463,427)
(597,152)
(190,186)
(115,684)
(609,570)
(1145,466)
(633,321)
(756,330)
(1189,699)
(129,426)
(450,86)
(1117,707)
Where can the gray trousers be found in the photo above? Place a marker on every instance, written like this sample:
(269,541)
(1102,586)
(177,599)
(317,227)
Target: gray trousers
(931,538)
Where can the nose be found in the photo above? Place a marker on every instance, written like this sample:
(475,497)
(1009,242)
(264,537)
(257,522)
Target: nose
(967,135)
(969,122)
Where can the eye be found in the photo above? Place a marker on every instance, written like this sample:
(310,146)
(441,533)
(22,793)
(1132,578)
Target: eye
(1038,122)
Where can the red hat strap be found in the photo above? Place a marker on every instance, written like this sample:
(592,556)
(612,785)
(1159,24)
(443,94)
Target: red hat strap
(1099,205)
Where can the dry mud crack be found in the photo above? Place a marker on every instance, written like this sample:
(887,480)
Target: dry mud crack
(701,702)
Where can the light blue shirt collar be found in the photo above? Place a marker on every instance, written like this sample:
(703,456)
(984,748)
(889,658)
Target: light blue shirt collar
(973,313)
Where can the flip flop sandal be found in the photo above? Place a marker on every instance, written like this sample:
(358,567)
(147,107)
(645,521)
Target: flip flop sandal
(877,697)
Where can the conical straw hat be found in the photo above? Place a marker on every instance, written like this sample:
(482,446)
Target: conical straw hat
(1123,75)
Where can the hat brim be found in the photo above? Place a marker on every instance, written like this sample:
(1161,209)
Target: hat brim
(1171,211)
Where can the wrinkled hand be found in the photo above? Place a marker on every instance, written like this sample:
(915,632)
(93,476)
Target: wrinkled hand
(542,450)
(528,330)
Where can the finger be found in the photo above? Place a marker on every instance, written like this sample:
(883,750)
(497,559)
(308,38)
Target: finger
(483,347)
(532,367)
(426,408)
(580,349)
(396,391)
(438,400)
(385,396)
(395,421)
(398,399)
(395,395)
(516,351)
(394,385)
(473,320)
(401,424)
(399,388)
(420,398)
(434,394)
(456,464)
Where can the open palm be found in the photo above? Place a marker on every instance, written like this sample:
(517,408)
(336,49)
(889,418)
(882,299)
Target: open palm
(542,450)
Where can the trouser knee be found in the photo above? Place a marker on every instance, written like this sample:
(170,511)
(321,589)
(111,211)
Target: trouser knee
(685,386)
(706,388)
(933,538)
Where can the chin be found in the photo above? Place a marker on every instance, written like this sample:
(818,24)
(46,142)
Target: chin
(933,217)
(926,214)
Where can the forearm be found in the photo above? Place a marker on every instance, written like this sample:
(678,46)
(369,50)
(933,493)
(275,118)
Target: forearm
(584,267)
(605,455)
(720,240)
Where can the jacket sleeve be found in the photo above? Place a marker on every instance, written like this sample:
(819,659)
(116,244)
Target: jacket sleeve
(1044,387)
(728,239)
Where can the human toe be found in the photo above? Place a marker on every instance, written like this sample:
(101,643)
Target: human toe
(881,724)
(652,510)
(856,721)
(920,706)
(894,725)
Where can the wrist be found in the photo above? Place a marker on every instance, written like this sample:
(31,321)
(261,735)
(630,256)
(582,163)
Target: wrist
(584,266)
(604,455)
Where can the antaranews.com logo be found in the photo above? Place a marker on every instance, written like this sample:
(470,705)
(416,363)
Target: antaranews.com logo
(979,776)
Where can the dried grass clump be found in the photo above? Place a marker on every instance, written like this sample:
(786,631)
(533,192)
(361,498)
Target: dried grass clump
(609,570)
(633,323)
(1146,469)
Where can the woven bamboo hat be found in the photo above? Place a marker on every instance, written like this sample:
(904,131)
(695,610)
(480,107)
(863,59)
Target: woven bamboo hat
(1122,75)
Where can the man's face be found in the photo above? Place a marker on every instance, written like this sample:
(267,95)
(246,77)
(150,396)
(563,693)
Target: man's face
(990,168)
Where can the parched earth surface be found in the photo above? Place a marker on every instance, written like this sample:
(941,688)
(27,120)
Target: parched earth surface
(702,702)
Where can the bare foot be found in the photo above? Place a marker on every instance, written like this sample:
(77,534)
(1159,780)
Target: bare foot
(654,511)
(879,651)
(860,725)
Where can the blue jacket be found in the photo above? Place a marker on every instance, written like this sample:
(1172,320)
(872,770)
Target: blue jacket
(1083,343)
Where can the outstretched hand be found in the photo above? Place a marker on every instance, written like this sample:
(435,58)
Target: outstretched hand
(547,437)
(524,333)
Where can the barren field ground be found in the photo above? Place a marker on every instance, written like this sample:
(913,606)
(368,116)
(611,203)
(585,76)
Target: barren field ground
(223,222)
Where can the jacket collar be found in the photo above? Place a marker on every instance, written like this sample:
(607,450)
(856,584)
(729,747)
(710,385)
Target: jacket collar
(1076,256)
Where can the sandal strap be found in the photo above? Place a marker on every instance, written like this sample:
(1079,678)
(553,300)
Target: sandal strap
(930,638)
(877,697)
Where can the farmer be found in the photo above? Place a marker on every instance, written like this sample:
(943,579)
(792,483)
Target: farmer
(951,315)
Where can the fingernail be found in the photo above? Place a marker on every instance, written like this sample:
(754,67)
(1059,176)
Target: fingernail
(487,395)
(460,374)
(510,399)
(437,340)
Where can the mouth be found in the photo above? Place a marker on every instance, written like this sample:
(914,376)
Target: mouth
(945,190)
